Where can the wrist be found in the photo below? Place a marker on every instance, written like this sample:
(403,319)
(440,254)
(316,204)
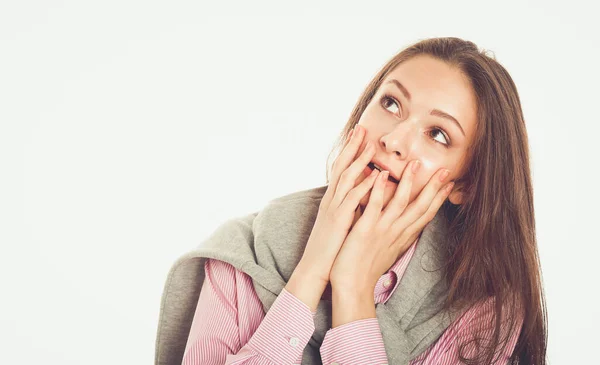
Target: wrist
(312,272)
(351,289)
(349,306)
(307,287)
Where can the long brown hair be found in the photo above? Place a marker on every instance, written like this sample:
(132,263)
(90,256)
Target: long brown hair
(491,249)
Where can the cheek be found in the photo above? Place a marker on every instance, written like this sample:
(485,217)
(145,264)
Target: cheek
(429,166)
(426,173)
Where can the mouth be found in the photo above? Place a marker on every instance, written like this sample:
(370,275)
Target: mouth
(372,166)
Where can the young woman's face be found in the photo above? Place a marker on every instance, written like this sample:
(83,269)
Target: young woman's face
(402,126)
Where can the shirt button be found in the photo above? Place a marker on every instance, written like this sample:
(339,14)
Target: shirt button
(387,283)
(294,341)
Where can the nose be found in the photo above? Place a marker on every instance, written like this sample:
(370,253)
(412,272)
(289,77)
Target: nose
(399,141)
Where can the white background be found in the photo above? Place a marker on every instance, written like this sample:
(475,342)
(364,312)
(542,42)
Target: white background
(131,129)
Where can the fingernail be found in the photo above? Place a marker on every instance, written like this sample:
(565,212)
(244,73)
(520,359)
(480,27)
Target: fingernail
(385,175)
(449,187)
(416,165)
(444,174)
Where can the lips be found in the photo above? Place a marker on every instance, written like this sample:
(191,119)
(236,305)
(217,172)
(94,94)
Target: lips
(391,178)
(384,168)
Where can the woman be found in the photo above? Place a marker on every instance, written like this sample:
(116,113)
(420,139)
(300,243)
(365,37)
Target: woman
(444,120)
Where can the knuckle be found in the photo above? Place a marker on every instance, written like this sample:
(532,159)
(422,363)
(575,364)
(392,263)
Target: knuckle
(402,204)
(367,182)
(362,231)
(404,201)
(335,164)
(366,154)
(335,217)
(353,194)
(428,216)
(421,209)
(409,232)
(324,208)
(431,213)
(337,168)
(377,200)
(322,205)
(345,175)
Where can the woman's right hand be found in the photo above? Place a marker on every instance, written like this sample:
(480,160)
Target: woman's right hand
(337,208)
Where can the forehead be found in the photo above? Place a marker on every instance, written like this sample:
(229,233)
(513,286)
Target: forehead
(433,84)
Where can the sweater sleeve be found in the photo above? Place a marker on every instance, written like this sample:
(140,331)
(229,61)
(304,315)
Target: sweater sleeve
(473,327)
(230,327)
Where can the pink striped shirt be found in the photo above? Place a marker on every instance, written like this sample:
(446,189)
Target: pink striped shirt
(231,328)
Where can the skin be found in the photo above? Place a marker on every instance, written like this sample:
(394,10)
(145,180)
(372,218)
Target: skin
(403,131)
(400,133)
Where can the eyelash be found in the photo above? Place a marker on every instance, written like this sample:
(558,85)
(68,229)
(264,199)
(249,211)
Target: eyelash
(437,128)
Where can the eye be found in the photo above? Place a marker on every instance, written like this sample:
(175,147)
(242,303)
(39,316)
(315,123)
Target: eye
(446,142)
(388,101)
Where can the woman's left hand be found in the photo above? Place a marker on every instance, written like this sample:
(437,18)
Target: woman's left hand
(379,237)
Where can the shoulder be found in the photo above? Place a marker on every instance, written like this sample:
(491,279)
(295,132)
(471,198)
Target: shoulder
(483,315)
(222,271)
(224,278)
(298,198)
(315,193)
(219,268)
(292,208)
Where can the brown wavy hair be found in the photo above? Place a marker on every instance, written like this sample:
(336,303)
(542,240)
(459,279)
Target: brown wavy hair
(491,249)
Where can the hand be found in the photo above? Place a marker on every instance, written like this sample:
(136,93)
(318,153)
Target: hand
(335,216)
(337,208)
(379,237)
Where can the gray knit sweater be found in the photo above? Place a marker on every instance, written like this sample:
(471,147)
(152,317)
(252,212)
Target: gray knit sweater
(267,245)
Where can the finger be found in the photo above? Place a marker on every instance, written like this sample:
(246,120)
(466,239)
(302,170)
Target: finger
(349,151)
(421,204)
(373,209)
(435,205)
(356,194)
(348,138)
(348,178)
(401,197)
(401,244)
(340,164)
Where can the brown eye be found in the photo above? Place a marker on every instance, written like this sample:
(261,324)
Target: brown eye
(387,101)
(446,140)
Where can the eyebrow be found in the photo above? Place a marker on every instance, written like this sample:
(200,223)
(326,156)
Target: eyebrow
(434,112)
